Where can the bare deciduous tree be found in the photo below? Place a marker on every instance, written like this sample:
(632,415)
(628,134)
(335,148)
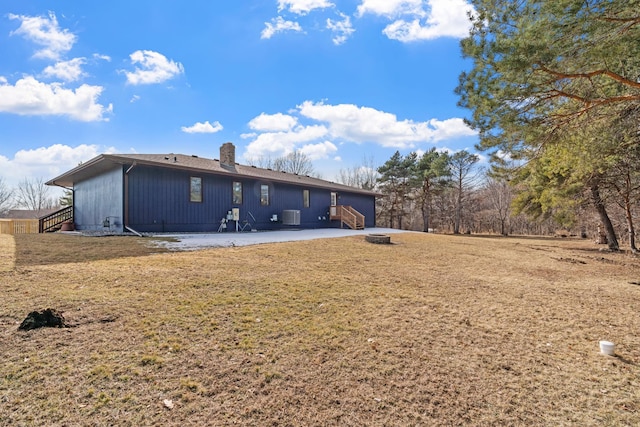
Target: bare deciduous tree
(295,162)
(6,197)
(499,194)
(462,164)
(33,194)
(361,176)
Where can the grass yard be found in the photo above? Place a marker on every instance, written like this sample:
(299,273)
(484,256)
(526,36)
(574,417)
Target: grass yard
(431,330)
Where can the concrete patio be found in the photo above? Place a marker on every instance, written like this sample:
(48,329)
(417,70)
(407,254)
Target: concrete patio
(194,241)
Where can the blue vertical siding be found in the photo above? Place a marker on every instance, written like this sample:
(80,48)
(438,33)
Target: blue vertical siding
(364,204)
(158,201)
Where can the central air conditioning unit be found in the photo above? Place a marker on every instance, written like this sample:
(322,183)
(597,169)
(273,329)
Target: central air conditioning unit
(291,217)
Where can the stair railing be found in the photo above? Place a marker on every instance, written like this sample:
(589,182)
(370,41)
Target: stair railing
(53,220)
(347,215)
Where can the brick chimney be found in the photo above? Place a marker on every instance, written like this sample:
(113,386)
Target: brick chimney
(228,154)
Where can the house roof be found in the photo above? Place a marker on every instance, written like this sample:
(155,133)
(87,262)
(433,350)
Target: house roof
(106,162)
(28,214)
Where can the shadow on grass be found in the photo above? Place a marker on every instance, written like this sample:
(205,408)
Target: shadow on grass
(625,360)
(552,238)
(55,248)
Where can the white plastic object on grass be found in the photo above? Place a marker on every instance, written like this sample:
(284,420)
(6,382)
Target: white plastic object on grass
(607,348)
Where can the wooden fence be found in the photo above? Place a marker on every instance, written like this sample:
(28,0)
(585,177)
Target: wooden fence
(19,226)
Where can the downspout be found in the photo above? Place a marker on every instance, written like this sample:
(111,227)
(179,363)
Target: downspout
(126,200)
(73,201)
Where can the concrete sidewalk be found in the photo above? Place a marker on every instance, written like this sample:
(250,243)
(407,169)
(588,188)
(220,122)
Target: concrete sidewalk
(194,241)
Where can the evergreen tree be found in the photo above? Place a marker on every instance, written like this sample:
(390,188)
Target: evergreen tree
(66,199)
(545,71)
(432,177)
(395,182)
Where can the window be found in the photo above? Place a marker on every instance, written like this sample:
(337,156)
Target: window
(195,190)
(237,193)
(264,195)
(305,198)
(334,199)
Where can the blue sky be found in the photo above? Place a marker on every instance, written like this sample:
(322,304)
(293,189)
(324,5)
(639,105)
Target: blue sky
(341,80)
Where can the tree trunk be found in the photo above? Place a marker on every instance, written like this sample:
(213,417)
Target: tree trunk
(458,214)
(426,213)
(630,228)
(612,240)
(425,220)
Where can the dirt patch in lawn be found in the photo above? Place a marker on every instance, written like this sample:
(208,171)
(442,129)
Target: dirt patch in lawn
(432,330)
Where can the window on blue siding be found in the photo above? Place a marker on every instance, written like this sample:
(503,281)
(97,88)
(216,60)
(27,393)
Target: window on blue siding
(195,190)
(237,193)
(264,195)
(305,198)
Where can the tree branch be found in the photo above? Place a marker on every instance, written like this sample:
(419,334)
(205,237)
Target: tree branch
(590,75)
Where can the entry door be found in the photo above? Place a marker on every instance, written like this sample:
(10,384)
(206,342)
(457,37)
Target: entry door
(334,198)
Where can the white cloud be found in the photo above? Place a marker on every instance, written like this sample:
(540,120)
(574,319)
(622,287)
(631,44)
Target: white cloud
(282,143)
(46,162)
(331,125)
(419,21)
(302,7)
(279,25)
(341,29)
(32,97)
(68,71)
(273,122)
(319,151)
(205,127)
(134,98)
(408,20)
(45,32)
(449,129)
(390,8)
(103,57)
(365,124)
(153,68)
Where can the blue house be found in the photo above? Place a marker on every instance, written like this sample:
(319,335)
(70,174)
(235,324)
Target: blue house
(182,193)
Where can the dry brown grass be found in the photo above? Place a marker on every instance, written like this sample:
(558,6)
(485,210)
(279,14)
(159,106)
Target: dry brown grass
(7,253)
(432,330)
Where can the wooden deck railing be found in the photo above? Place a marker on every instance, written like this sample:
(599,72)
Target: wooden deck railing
(347,215)
(55,219)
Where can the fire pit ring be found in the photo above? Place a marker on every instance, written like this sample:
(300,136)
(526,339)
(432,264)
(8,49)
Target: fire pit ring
(382,239)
